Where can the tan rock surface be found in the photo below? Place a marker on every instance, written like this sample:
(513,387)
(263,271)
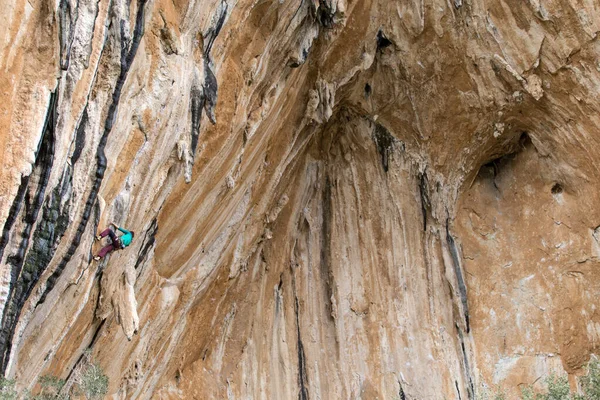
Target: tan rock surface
(333,199)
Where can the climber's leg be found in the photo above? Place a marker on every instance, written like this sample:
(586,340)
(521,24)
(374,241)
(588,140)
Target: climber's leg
(105,250)
(105,233)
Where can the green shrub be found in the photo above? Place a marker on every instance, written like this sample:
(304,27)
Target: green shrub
(7,389)
(558,388)
(93,382)
(51,387)
(590,384)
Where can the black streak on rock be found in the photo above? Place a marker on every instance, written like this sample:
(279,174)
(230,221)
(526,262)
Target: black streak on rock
(459,277)
(457,390)
(210,92)
(196,105)
(425,204)
(80,136)
(21,281)
(15,208)
(214,30)
(302,377)
(127,57)
(401,392)
(384,142)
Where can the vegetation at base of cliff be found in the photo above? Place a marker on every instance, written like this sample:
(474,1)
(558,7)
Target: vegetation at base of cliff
(88,382)
(557,388)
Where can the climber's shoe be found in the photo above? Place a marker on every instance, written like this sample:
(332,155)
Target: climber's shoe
(97,258)
(98,238)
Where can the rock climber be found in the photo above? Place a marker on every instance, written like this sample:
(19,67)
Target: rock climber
(117,242)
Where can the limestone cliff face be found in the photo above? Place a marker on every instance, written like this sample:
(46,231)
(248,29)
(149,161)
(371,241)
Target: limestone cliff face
(332,199)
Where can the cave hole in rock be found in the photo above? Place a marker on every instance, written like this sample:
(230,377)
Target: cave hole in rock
(382,41)
(367,89)
(556,188)
(503,157)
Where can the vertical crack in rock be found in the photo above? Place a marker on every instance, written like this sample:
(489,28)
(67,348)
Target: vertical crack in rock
(127,58)
(457,390)
(148,242)
(325,267)
(468,374)
(459,276)
(21,281)
(302,376)
(425,203)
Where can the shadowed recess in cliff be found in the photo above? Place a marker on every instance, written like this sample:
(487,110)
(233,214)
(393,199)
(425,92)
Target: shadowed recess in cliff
(127,57)
(148,242)
(325,14)
(22,281)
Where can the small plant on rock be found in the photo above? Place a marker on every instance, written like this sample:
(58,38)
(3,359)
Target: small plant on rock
(7,389)
(93,382)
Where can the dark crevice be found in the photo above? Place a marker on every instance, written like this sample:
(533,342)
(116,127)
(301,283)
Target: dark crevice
(425,203)
(368,90)
(127,57)
(80,136)
(21,281)
(325,15)
(382,41)
(279,297)
(462,287)
(196,105)
(457,390)
(302,376)
(556,188)
(492,169)
(325,267)
(471,387)
(148,242)
(15,208)
(401,392)
(89,347)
